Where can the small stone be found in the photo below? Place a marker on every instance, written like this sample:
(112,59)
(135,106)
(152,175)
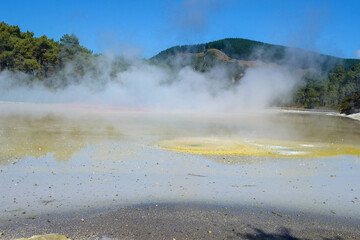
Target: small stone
(209,232)
(83,220)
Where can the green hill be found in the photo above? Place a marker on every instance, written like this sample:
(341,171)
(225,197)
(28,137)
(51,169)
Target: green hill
(327,80)
(249,50)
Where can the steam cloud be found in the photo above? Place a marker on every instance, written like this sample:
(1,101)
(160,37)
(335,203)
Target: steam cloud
(357,53)
(191,17)
(144,85)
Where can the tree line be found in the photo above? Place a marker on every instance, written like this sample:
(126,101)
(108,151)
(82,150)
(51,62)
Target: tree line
(39,56)
(329,90)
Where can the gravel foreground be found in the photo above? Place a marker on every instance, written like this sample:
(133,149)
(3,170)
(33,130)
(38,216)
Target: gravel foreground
(185,221)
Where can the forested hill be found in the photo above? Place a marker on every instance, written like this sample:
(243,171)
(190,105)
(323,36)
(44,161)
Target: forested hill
(249,50)
(327,80)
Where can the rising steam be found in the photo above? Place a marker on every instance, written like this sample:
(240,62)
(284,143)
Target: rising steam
(357,53)
(144,85)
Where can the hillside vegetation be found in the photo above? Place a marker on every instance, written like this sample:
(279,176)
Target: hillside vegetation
(38,56)
(43,59)
(327,80)
(351,104)
(249,50)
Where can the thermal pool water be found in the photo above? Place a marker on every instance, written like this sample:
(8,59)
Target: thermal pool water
(61,158)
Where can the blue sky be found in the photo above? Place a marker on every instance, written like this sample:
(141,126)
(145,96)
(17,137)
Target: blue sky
(143,28)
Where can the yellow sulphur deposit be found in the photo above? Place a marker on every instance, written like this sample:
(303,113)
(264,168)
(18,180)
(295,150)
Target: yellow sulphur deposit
(260,147)
(46,237)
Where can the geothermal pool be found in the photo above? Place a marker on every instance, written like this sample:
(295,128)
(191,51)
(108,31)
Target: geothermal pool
(61,158)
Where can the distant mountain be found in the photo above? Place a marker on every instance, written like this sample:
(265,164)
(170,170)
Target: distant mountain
(327,80)
(249,50)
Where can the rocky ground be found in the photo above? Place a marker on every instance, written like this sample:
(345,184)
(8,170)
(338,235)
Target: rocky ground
(185,221)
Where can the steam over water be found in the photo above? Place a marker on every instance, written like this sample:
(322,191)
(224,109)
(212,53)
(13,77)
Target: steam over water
(144,85)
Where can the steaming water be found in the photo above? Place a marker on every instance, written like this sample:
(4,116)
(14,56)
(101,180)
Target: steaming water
(101,157)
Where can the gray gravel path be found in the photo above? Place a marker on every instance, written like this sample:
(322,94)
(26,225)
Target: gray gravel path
(186,221)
